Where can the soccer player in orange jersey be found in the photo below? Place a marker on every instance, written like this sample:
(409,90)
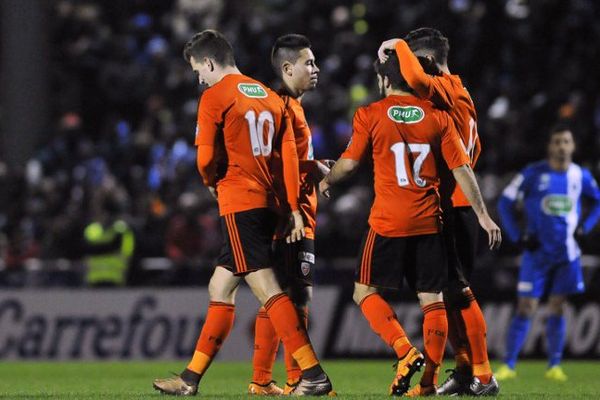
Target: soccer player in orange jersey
(240,124)
(466,324)
(407,139)
(294,62)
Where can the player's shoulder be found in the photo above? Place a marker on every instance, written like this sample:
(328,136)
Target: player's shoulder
(243,86)
(535,168)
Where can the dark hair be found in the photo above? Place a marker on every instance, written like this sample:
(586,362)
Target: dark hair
(287,48)
(391,69)
(212,44)
(557,128)
(431,40)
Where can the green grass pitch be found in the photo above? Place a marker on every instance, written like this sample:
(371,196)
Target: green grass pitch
(228,380)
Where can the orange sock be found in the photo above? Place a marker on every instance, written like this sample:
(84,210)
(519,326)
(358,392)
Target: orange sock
(458,339)
(383,321)
(291,366)
(266,343)
(476,335)
(285,320)
(435,332)
(218,324)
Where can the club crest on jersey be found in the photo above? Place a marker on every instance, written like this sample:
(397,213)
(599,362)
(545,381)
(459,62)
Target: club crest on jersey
(406,115)
(305,268)
(557,204)
(252,90)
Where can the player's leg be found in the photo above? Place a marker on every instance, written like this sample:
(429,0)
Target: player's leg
(427,274)
(299,267)
(567,279)
(532,279)
(217,325)
(555,336)
(284,318)
(380,266)
(465,318)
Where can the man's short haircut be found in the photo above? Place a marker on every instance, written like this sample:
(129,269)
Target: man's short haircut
(557,128)
(431,40)
(211,44)
(287,48)
(391,69)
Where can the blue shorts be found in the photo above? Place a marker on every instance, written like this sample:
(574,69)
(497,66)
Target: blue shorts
(539,274)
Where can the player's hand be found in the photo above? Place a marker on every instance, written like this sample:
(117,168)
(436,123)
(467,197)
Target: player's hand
(297,231)
(322,168)
(493,231)
(324,188)
(387,45)
(213,192)
(529,242)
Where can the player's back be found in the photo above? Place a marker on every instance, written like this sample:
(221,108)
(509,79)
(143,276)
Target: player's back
(251,118)
(409,139)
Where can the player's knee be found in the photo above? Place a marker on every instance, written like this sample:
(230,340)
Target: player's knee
(426,298)
(556,305)
(456,298)
(526,307)
(361,291)
(263,284)
(218,291)
(300,295)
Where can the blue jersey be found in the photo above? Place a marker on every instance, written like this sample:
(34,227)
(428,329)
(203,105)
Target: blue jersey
(552,207)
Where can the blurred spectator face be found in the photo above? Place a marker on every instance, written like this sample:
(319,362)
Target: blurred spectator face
(561,146)
(304,73)
(206,70)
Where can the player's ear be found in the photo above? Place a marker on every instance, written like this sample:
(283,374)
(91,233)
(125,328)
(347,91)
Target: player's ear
(386,82)
(287,68)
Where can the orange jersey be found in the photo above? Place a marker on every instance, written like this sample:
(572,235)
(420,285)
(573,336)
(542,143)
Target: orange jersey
(408,140)
(308,194)
(448,93)
(241,123)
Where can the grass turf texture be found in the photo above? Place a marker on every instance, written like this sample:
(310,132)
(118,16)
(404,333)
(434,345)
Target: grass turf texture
(229,380)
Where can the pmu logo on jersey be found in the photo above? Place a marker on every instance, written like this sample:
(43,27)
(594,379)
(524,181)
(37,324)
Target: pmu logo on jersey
(406,115)
(557,204)
(253,90)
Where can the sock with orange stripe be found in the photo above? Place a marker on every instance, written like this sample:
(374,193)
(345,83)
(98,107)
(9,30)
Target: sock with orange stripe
(383,322)
(458,340)
(266,343)
(435,332)
(285,320)
(292,368)
(218,324)
(476,335)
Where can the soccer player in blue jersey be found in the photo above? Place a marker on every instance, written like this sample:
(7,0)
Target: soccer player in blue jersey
(551,192)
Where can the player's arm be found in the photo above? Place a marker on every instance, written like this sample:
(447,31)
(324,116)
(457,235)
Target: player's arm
(456,157)
(291,179)
(591,191)
(209,118)
(506,207)
(343,168)
(350,159)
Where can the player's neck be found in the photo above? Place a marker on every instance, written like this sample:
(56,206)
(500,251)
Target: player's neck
(228,70)
(559,165)
(444,69)
(293,92)
(396,92)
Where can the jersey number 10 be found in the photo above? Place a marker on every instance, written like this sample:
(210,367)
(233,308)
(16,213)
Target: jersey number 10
(256,130)
(399,150)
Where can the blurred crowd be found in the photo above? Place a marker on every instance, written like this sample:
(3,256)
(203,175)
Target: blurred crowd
(124,104)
